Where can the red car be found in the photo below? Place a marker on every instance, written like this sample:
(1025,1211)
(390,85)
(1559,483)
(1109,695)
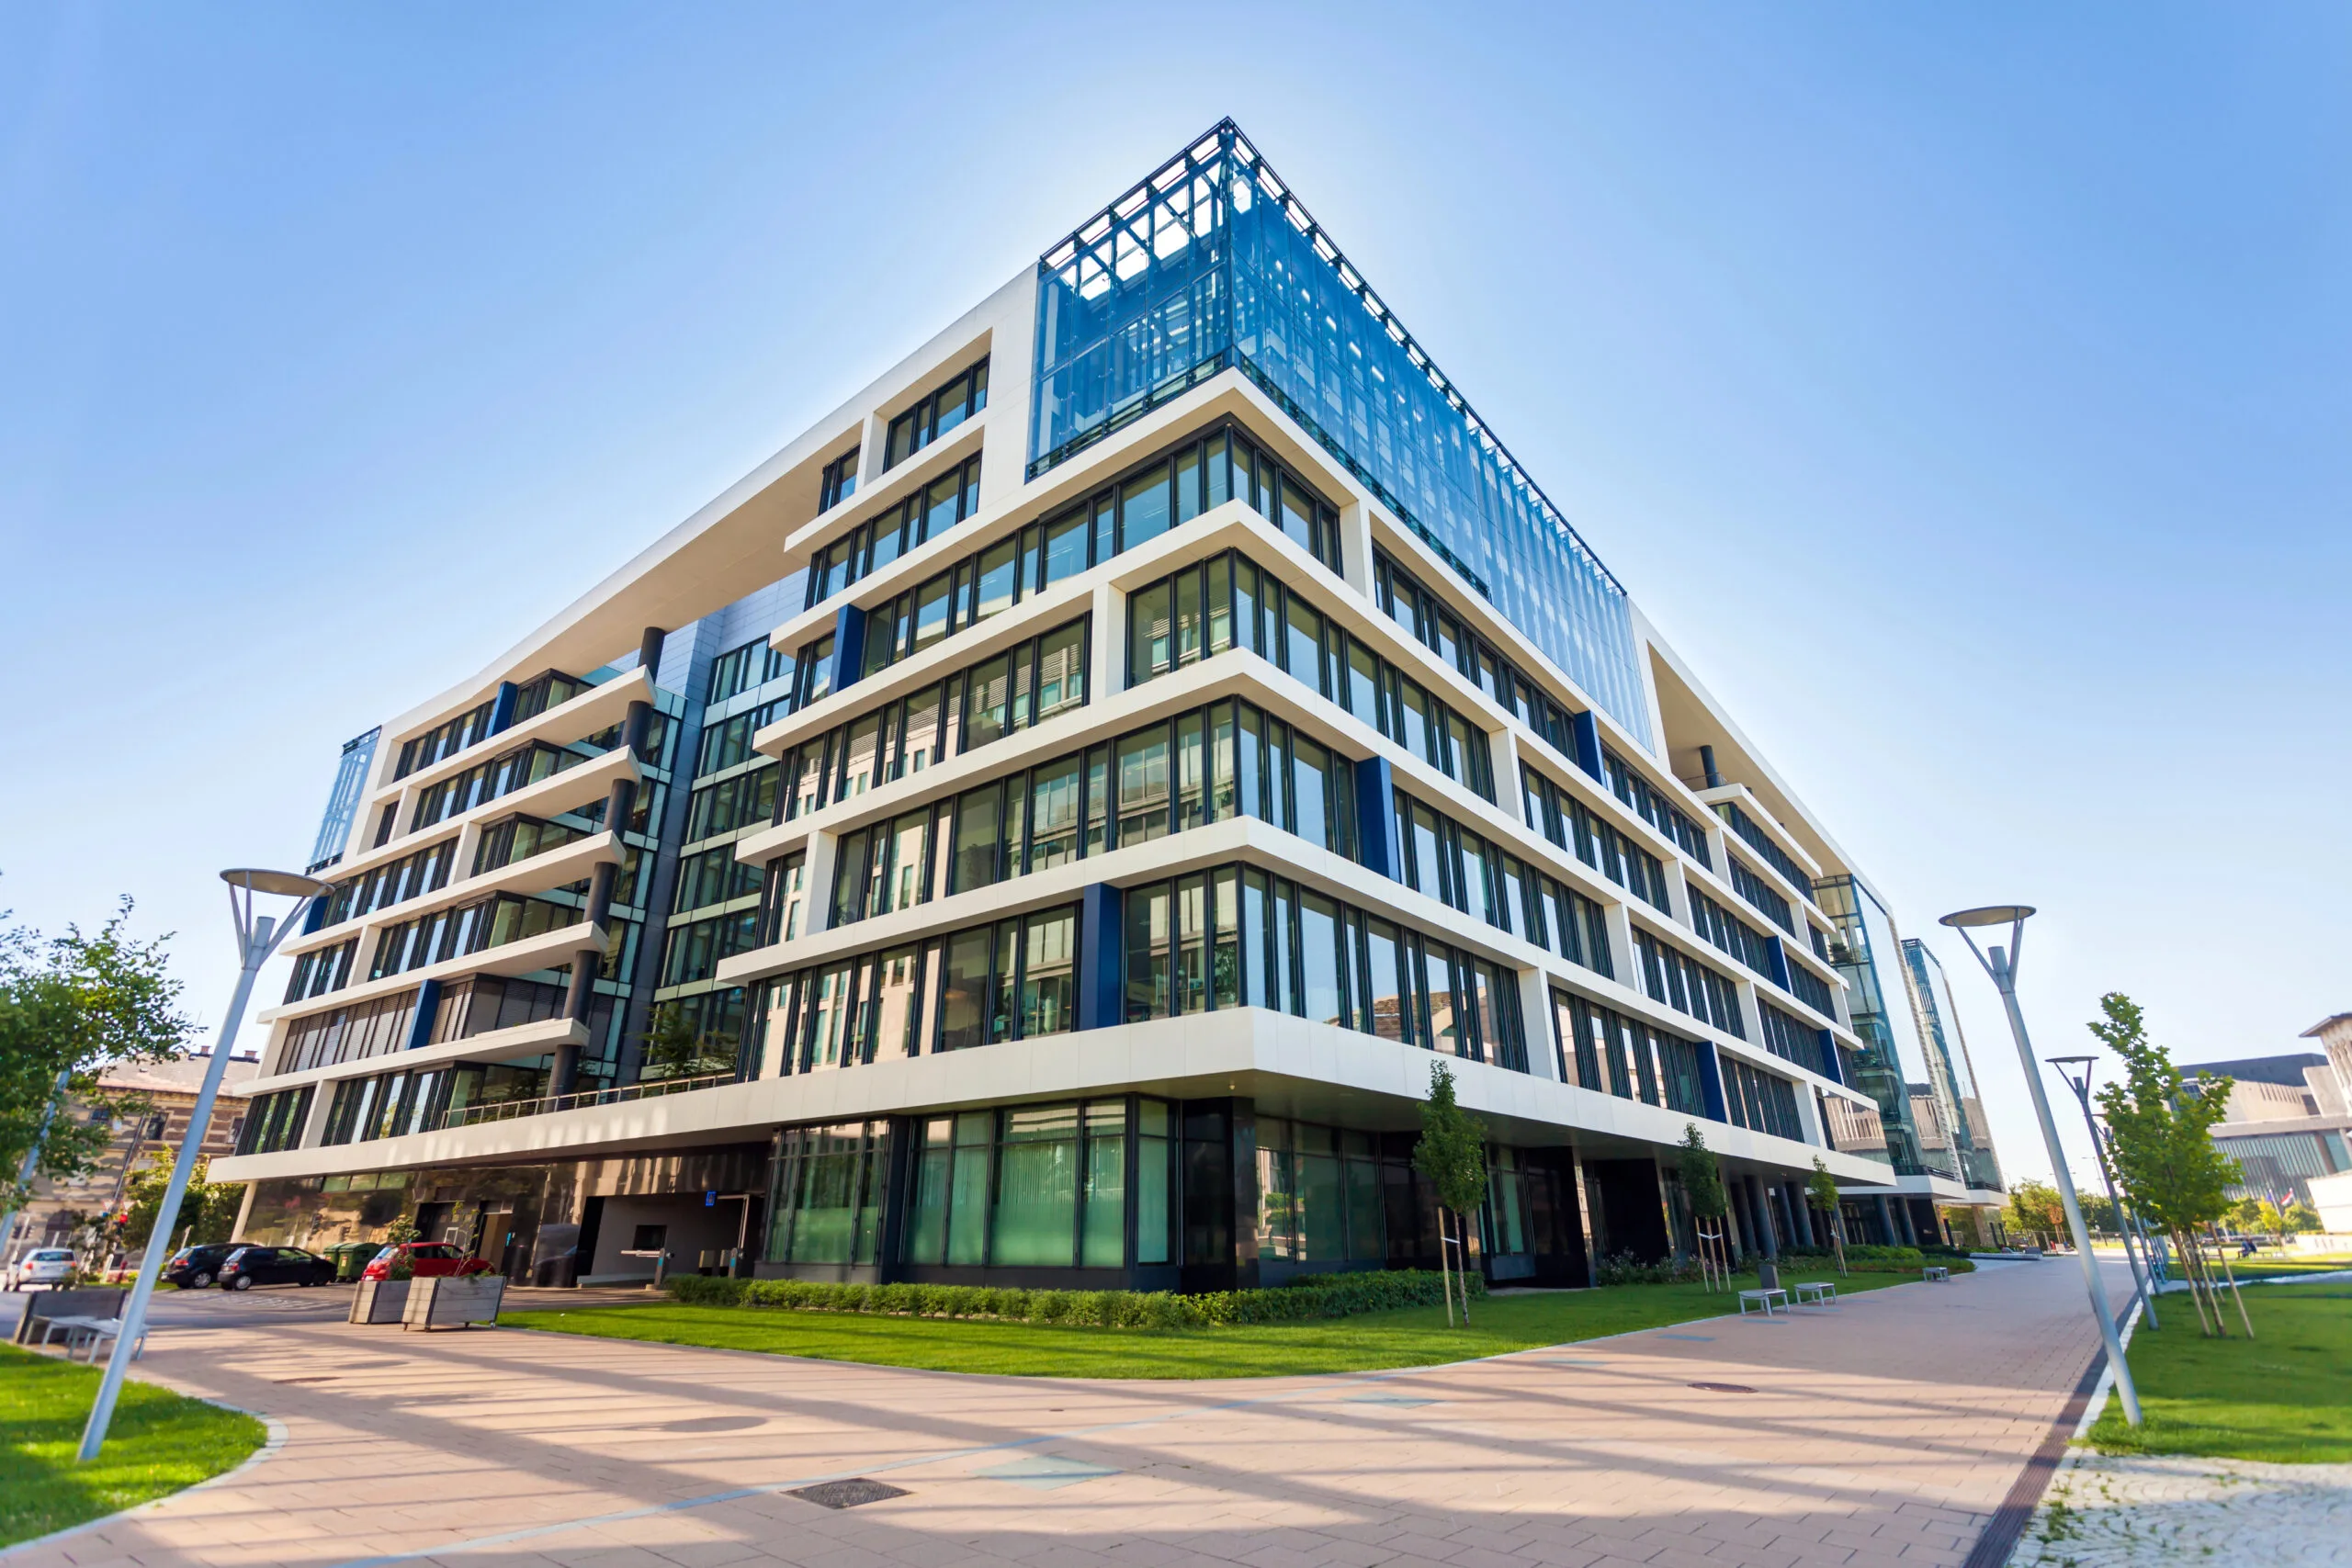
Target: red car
(426,1260)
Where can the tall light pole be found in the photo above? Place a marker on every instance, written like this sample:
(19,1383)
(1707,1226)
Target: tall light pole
(257,938)
(24,1187)
(2001,964)
(2069,1068)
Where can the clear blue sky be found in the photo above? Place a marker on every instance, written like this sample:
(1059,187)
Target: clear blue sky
(1964,389)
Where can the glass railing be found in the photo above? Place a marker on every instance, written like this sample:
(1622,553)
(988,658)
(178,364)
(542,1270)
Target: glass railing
(513,1109)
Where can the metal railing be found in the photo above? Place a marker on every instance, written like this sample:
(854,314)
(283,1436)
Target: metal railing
(513,1109)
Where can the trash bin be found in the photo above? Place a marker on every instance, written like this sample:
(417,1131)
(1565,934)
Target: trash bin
(350,1258)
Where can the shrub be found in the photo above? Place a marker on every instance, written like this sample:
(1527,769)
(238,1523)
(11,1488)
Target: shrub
(1310,1296)
(1626,1269)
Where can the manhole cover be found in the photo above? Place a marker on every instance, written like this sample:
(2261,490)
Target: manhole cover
(846,1493)
(1723,1387)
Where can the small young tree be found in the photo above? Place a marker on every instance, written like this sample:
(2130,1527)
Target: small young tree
(1822,1188)
(1452,1157)
(2300,1219)
(1703,1187)
(2162,1148)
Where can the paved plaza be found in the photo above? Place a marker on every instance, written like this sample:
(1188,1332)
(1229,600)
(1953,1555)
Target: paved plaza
(1886,1430)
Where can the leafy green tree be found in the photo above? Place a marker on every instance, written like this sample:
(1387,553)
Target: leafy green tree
(207,1212)
(2035,1209)
(1452,1157)
(2245,1214)
(69,1006)
(2163,1144)
(2300,1218)
(2099,1211)
(1700,1176)
(676,1048)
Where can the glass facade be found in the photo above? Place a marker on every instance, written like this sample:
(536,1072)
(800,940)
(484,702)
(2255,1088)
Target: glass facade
(1212,262)
(1956,1074)
(1883,1016)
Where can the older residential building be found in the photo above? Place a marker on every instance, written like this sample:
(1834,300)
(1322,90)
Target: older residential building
(167,1093)
(1045,824)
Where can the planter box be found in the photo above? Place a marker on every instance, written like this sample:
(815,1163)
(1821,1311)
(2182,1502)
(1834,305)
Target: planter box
(381,1301)
(449,1299)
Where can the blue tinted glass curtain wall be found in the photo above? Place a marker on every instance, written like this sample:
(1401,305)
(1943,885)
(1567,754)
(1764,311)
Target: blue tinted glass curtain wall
(1212,263)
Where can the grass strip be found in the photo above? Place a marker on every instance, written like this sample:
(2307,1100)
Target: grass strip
(2284,1396)
(1414,1336)
(158,1443)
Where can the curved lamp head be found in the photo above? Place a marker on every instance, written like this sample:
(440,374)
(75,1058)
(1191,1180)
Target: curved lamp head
(1990,914)
(292,885)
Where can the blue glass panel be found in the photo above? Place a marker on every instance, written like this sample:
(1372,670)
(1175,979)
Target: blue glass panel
(1210,264)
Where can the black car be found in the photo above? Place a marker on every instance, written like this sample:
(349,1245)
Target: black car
(193,1268)
(251,1266)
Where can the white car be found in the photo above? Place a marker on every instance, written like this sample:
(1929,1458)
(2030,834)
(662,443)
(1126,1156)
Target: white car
(50,1266)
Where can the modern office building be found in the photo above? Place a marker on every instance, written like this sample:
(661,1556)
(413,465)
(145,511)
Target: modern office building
(1044,823)
(2290,1115)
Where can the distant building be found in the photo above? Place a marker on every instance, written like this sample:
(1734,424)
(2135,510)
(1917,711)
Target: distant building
(2290,1114)
(59,1208)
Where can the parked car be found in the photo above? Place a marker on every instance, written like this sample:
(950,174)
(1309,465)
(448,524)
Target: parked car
(50,1266)
(426,1260)
(194,1268)
(251,1266)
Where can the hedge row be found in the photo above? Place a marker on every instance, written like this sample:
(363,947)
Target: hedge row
(1313,1296)
(1880,1260)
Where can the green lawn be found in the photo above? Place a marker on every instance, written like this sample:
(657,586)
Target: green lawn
(1416,1337)
(2270,1265)
(2284,1395)
(160,1442)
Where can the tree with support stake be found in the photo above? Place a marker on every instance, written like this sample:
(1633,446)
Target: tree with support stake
(1703,1187)
(1822,1188)
(1452,1157)
(2160,1131)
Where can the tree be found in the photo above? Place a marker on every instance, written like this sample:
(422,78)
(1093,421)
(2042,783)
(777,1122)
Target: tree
(2035,1209)
(2300,1218)
(207,1212)
(2163,1147)
(69,1006)
(1822,1188)
(675,1046)
(1452,1157)
(2245,1214)
(2098,1211)
(1702,1176)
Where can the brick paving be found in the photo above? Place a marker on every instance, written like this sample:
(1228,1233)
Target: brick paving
(1885,1431)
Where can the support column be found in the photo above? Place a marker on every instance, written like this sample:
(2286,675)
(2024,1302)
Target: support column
(1886,1221)
(1764,1225)
(576,1000)
(1802,1214)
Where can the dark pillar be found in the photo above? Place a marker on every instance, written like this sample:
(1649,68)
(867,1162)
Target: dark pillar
(576,1003)
(1764,1225)
(599,892)
(622,800)
(1886,1223)
(1804,1213)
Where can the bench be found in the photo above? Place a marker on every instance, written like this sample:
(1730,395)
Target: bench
(1764,1299)
(46,1306)
(102,1330)
(1822,1292)
(1936,1273)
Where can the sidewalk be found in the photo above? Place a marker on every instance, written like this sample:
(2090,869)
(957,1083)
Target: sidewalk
(1885,1431)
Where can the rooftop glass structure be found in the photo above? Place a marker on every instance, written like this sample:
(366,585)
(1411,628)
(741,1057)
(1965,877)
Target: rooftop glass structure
(1213,264)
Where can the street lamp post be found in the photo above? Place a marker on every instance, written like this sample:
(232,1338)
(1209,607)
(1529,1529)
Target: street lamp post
(2001,966)
(32,1159)
(258,937)
(2068,1067)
